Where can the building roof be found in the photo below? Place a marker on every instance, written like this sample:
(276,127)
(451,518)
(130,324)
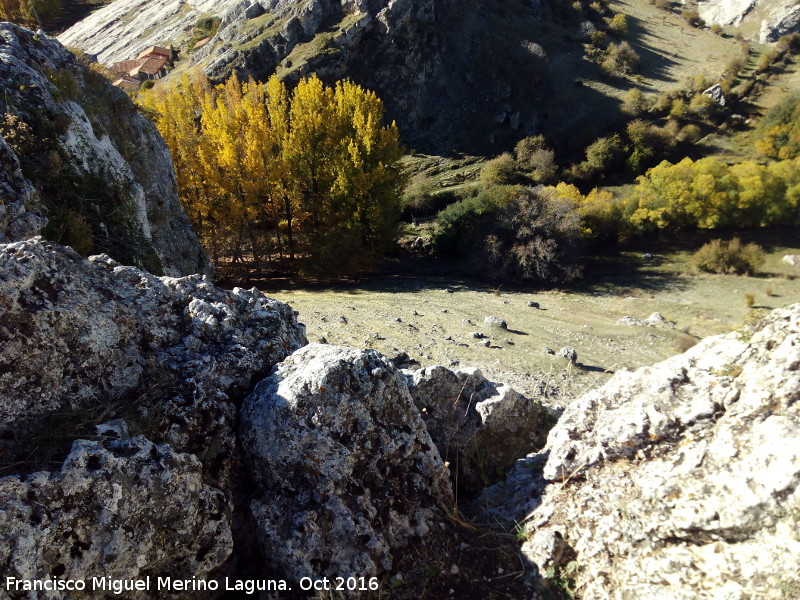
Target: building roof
(150,66)
(127,84)
(126,66)
(160,50)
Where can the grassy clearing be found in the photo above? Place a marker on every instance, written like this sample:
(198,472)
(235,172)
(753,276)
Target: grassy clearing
(433,309)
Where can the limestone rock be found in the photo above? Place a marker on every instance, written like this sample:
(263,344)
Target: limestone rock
(783,19)
(493,321)
(82,333)
(114,172)
(347,474)
(121,509)
(480,426)
(716,94)
(772,18)
(19,218)
(685,474)
(569,353)
(792,260)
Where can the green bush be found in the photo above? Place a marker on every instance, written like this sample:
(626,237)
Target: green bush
(500,171)
(618,25)
(458,224)
(634,102)
(602,155)
(729,257)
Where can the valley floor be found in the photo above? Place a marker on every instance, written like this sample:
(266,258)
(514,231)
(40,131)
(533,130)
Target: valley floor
(432,318)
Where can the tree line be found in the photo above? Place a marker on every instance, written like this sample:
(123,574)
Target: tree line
(307,179)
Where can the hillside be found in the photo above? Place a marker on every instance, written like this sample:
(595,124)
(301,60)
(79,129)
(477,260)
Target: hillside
(498,66)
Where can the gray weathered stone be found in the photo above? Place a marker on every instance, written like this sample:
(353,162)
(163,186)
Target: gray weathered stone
(122,509)
(479,426)
(569,353)
(682,480)
(495,322)
(346,472)
(80,333)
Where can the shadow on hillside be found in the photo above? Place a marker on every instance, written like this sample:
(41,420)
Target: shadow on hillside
(655,62)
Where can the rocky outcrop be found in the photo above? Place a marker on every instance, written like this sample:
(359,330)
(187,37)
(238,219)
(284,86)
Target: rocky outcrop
(169,360)
(19,218)
(434,63)
(82,333)
(346,472)
(783,19)
(777,17)
(478,426)
(118,509)
(679,480)
(101,172)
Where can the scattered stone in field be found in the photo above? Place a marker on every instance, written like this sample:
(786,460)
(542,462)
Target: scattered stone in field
(343,319)
(506,301)
(398,320)
(508,341)
(412,328)
(586,327)
(454,363)
(403,360)
(415,313)
(449,338)
(449,290)
(462,345)
(477,335)
(647,257)
(657,320)
(548,350)
(444,310)
(322,340)
(486,343)
(630,321)
(532,304)
(792,260)
(375,336)
(467,322)
(495,322)
(569,353)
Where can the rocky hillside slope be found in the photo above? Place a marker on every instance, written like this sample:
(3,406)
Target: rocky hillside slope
(680,480)
(436,63)
(81,165)
(767,19)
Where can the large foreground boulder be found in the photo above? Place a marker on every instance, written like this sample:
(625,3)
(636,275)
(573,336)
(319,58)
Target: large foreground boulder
(81,334)
(680,480)
(120,509)
(346,471)
(147,373)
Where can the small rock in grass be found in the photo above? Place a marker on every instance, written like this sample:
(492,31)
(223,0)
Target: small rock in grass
(495,322)
(569,353)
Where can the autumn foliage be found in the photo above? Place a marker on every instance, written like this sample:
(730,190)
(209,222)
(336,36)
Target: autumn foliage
(308,177)
(29,13)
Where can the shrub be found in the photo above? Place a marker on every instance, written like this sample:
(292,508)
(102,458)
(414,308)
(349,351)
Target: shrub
(536,238)
(460,224)
(749,300)
(620,59)
(692,17)
(766,60)
(618,25)
(716,28)
(678,110)
(527,146)
(417,198)
(729,257)
(634,102)
(602,154)
(779,130)
(703,106)
(690,133)
(597,38)
(500,171)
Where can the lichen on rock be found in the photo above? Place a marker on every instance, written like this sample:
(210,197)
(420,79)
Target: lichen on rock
(346,472)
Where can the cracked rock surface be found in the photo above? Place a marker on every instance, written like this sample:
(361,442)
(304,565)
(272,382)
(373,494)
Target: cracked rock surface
(680,480)
(346,471)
